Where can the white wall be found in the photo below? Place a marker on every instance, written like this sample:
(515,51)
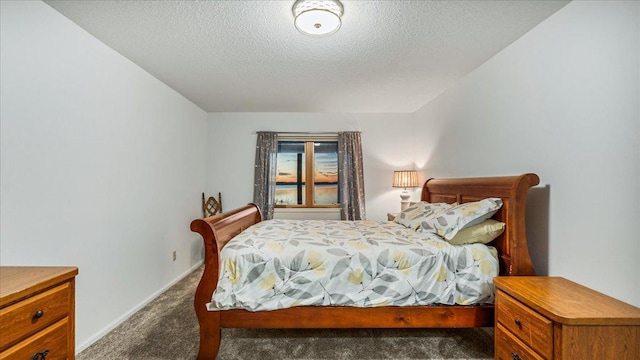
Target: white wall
(563,101)
(101,166)
(386,145)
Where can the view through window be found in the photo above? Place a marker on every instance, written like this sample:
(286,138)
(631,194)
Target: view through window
(302,159)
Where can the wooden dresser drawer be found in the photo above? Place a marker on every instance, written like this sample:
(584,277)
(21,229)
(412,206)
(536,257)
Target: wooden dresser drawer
(509,348)
(532,329)
(53,340)
(33,314)
(584,324)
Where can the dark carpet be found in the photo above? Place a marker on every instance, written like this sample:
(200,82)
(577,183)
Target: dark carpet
(167,328)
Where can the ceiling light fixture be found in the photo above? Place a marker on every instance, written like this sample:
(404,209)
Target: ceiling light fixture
(318,17)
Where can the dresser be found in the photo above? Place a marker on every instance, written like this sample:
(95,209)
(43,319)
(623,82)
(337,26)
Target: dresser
(37,312)
(539,317)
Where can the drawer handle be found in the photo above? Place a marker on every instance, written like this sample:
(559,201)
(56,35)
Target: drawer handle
(38,314)
(40,355)
(515,356)
(519,324)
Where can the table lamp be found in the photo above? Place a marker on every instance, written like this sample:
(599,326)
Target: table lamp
(405,179)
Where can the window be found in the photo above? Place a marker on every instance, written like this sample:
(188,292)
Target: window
(307,172)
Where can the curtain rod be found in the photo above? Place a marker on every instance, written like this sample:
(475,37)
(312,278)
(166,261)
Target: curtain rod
(306,132)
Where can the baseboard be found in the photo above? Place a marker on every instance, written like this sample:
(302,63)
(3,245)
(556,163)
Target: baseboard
(135,309)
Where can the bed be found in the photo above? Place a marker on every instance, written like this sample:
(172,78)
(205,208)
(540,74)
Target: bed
(511,245)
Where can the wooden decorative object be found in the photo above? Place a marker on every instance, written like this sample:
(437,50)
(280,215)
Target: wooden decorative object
(211,206)
(216,231)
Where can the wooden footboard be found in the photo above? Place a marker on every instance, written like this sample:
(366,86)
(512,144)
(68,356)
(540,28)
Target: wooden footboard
(217,230)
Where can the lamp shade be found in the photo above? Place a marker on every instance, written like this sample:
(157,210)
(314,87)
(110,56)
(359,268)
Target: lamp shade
(405,178)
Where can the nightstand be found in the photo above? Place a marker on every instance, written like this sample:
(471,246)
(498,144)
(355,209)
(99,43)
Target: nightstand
(391,216)
(538,317)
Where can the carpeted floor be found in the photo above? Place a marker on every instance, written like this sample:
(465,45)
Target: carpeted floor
(167,329)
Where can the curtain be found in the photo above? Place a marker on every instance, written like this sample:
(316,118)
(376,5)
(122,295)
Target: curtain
(264,180)
(350,176)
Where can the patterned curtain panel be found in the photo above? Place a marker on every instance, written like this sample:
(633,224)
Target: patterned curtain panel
(350,176)
(264,182)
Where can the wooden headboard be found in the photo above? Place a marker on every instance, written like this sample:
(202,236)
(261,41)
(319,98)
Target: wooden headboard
(512,244)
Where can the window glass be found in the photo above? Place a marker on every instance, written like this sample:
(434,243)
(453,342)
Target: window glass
(325,175)
(291,174)
(302,159)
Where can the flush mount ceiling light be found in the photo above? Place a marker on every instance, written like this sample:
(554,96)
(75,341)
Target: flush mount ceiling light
(318,17)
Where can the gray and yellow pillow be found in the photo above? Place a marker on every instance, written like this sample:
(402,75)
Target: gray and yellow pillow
(449,222)
(415,214)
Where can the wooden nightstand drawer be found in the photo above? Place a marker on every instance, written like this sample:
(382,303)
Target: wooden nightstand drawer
(33,314)
(509,347)
(532,329)
(52,340)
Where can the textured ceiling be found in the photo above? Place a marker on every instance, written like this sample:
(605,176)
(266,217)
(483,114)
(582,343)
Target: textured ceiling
(247,56)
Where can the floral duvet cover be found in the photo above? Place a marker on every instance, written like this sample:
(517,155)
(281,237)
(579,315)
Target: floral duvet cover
(278,264)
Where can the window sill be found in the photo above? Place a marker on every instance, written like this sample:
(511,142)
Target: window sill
(307,213)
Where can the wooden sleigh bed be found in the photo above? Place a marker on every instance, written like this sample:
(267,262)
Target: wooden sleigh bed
(512,248)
